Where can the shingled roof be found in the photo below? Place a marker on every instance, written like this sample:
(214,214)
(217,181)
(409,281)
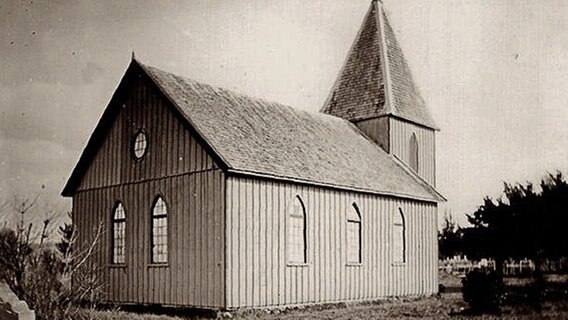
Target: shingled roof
(253,136)
(259,138)
(375,79)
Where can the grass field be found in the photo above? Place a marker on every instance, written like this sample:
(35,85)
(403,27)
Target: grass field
(448,305)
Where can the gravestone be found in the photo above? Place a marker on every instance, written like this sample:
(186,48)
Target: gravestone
(12,308)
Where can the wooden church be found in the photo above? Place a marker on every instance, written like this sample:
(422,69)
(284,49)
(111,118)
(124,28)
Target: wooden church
(212,199)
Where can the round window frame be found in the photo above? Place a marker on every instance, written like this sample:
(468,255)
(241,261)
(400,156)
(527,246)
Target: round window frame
(133,144)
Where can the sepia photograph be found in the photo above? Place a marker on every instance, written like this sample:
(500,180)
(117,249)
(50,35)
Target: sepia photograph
(298,159)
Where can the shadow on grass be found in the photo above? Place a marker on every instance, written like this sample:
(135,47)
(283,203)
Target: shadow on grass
(156,309)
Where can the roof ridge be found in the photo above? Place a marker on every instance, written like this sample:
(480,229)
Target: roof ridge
(385,61)
(240,94)
(403,73)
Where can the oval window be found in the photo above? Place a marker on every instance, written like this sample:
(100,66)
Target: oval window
(140,144)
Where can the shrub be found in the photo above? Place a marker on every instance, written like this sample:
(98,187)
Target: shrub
(14,252)
(483,291)
(41,273)
(42,285)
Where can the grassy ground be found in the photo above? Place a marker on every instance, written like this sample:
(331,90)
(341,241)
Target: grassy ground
(448,305)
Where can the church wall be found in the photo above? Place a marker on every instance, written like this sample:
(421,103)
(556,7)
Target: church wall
(194,274)
(176,167)
(258,273)
(400,132)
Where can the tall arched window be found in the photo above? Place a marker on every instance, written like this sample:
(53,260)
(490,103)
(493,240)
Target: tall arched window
(413,152)
(399,237)
(297,233)
(118,234)
(354,235)
(159,231)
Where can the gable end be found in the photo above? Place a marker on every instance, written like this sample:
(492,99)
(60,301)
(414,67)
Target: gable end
(134,76)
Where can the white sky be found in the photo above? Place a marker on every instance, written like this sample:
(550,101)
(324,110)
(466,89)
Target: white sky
(494,74)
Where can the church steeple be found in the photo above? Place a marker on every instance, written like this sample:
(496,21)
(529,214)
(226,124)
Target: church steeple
(375,90)
(375,80)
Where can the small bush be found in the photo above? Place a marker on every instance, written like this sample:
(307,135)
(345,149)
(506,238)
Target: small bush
(13,255)
(42,285)
(483,291)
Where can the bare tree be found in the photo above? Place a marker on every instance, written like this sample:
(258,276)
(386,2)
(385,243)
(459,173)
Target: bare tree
(55,283)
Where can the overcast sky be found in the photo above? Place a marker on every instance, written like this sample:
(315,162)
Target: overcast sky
(494,74)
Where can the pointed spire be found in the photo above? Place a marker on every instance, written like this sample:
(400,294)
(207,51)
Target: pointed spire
(358,92)
(375,79)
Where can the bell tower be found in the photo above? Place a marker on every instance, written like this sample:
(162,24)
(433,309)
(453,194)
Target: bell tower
(375,91)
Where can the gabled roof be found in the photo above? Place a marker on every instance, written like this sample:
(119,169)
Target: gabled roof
(259,138)
(375,79)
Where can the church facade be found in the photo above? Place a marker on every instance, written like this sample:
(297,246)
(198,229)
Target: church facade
(214,199)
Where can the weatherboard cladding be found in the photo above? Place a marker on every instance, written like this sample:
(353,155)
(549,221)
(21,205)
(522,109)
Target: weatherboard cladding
(253,136)
(400,131)
(376,80)
(194,275)
(257,270)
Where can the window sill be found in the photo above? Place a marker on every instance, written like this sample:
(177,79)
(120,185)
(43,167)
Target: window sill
(354,264)
(297,264)
(158,265)
(117,266)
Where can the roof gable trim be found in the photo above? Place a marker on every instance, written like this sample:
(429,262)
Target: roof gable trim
(97,136)
(384,57)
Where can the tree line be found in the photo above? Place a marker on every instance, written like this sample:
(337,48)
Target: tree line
(522,223)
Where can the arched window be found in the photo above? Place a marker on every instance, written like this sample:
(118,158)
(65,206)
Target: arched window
(297,231)
(354,235)
(399,237)
(118,234)
(159,231)
(413,153)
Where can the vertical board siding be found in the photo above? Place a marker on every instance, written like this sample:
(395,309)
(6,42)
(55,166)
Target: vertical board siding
(194,275)
(172,150)
(258,273)
(400,133)
(175,166)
